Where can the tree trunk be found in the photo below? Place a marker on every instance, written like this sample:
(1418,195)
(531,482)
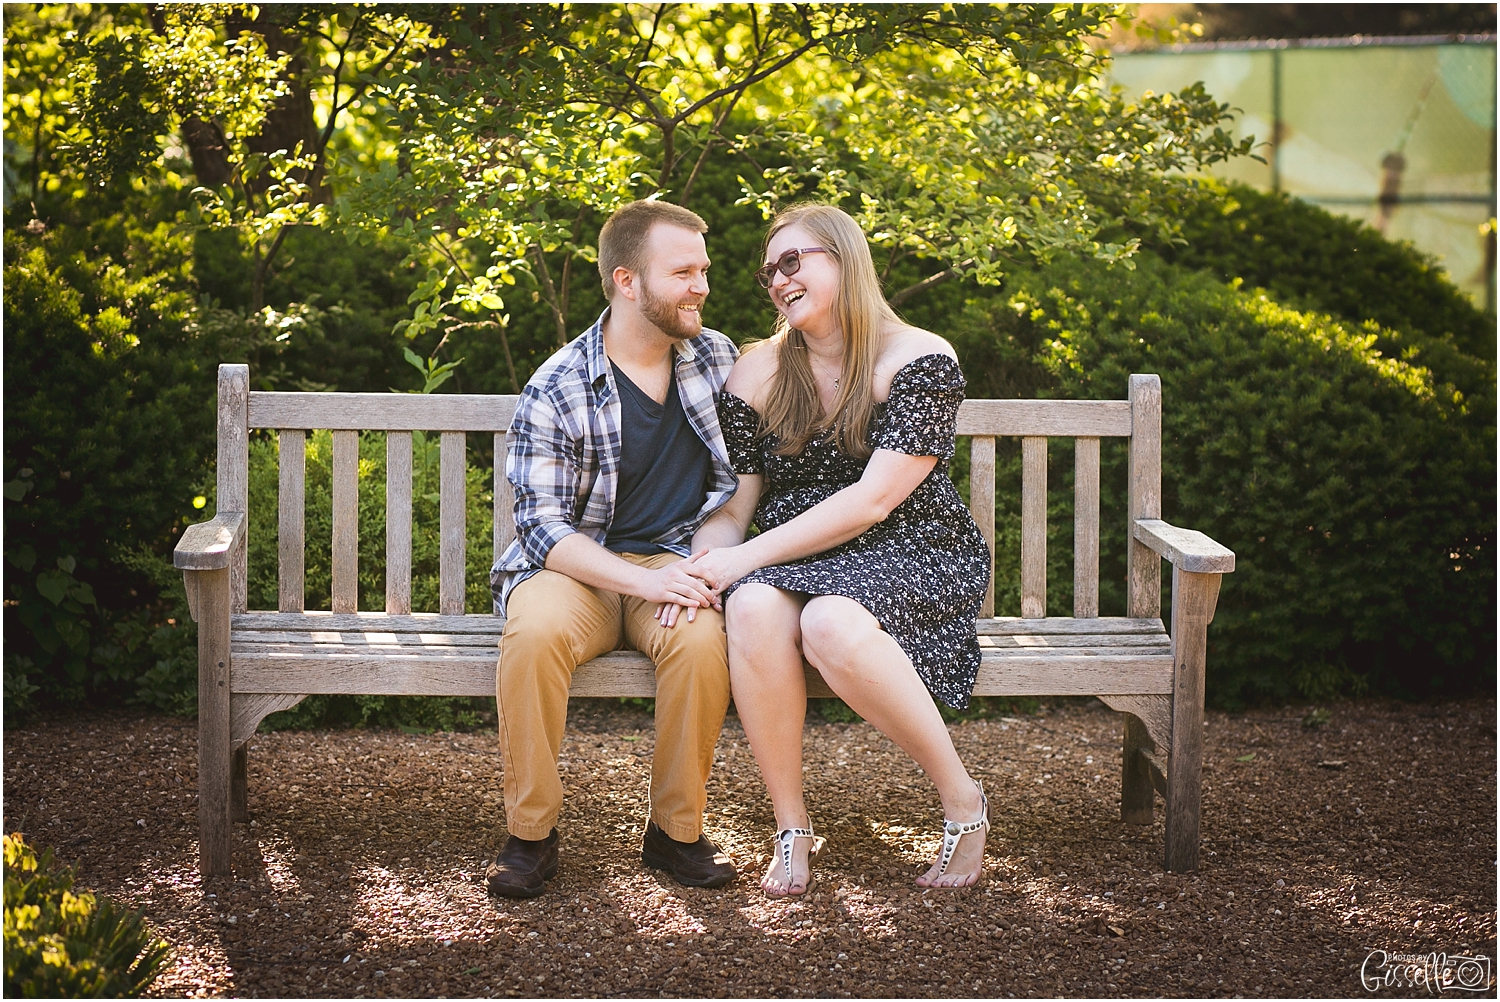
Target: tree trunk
(208,150)
(290,121)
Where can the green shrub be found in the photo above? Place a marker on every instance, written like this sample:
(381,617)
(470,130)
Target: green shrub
(1357,490)
(1312,259)
(64,945)
(107,424)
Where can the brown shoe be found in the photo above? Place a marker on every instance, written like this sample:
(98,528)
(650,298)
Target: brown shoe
(523,867)
(692,864)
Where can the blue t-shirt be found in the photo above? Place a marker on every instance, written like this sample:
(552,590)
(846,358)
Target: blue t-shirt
(664,468)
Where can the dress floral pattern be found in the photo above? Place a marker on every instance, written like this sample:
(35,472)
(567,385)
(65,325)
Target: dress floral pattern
(923,571)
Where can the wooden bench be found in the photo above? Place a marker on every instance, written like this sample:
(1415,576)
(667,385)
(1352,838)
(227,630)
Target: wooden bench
(254,663)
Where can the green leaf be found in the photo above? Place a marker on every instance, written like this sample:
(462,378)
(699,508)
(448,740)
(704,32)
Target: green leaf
(54,585)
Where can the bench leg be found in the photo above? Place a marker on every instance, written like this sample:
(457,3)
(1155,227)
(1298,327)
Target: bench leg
(1193,599)
(211,590)
(1137,797)
(239,768)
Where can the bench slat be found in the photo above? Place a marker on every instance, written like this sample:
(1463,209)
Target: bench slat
(1086,527)
(345,521)
(452,526)
(1067,641)
(369,638)
(626,673)
(630,674)
(1064,624)
(431,622)
(1033,527)
(485,413)
(1054,418)
(383,411)
(487,644)
(982,505)
(398,522)
(291,460)
(232,476)
(1142,566)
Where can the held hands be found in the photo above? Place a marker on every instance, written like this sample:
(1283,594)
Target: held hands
(703,578)
(723,566)
(676,587)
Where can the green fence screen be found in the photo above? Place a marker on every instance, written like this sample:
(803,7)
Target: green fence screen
(1398,133)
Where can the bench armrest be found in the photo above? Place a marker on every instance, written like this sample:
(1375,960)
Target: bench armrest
(1187,549)
(207,546)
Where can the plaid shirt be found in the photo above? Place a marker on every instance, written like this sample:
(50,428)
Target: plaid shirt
(563,449)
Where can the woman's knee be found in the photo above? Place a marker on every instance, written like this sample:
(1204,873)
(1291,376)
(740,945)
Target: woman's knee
(760,612)
(834,628)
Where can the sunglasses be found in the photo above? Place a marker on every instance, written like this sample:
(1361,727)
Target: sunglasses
(788,264)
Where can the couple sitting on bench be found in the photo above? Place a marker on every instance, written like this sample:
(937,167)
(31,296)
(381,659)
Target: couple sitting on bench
(641,453)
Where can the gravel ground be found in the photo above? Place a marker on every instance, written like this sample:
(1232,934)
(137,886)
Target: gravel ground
(360,873)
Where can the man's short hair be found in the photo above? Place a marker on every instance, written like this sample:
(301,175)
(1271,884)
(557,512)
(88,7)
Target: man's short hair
(622,241)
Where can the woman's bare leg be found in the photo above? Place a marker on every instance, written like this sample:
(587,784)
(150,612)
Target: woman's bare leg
(870,672)
(770,695)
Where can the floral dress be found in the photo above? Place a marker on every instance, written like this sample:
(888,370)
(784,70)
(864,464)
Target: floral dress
(923,571)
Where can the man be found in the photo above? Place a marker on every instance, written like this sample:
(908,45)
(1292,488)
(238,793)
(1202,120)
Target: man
(619,469)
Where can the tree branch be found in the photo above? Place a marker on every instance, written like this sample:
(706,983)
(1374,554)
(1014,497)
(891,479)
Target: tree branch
(927,283)
(719,120)
(550,292)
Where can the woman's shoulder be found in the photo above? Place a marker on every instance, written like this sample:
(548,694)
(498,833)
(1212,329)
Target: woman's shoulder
(750,379)
(903,347)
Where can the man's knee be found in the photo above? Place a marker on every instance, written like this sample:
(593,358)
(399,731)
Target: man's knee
(541,627)
(695,649)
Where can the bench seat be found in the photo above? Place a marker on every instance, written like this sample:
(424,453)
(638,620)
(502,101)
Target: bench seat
(433,655)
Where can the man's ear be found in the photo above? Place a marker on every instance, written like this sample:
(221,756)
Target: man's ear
(624,280)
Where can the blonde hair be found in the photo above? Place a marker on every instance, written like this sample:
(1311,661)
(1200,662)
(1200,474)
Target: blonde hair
(793,412)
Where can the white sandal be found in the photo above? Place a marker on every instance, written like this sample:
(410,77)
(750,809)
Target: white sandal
(785,840)
(953,831)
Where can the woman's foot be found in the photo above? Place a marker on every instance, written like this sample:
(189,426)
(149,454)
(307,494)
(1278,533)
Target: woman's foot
(966,864)
(778,883)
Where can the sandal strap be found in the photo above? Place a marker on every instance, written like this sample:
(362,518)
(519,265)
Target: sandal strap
(785,840)
(953,831)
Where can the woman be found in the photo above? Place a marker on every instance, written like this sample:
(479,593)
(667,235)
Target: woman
(868,563)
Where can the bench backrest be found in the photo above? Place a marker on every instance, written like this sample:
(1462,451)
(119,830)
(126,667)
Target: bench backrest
(454,416)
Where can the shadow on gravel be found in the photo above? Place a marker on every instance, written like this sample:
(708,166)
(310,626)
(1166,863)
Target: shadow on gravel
(360,872)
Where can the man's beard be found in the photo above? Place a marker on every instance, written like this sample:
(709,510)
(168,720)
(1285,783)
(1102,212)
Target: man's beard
(679,325)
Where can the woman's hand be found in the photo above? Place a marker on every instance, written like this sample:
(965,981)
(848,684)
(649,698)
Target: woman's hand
(723,566)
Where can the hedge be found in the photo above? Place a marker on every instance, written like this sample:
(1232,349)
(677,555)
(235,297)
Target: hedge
(1310,259)
(1357,491)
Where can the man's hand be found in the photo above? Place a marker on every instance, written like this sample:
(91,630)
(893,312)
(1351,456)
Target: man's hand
(677,586)
(668,612)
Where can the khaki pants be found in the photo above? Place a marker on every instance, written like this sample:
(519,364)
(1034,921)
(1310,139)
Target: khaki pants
(553,624)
